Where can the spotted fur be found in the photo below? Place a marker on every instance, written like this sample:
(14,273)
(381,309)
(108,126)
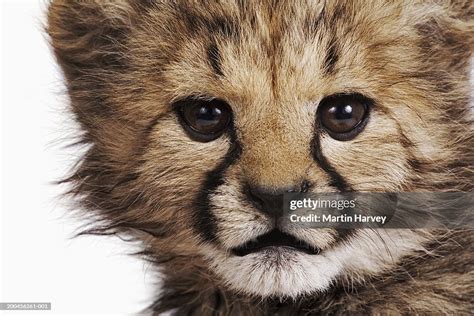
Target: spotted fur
(127,62)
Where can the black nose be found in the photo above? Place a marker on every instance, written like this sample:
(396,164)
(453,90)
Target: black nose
(270,201)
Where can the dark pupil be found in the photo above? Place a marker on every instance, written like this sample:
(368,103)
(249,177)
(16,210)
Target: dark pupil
(343,117)
(341,112)
(206,119)
(208,116)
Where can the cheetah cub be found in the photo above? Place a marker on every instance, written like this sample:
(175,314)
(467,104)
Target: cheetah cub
(200,115)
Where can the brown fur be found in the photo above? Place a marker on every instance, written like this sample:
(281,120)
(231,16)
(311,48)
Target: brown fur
(126,62)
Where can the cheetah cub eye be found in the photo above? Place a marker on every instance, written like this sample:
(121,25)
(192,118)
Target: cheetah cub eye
(203,120)
(344,116)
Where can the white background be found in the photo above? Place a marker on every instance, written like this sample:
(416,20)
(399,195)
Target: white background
(39,260)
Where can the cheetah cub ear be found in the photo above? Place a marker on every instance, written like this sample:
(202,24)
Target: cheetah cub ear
(89,36)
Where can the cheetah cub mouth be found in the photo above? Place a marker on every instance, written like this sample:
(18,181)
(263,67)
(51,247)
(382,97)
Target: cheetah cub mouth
(275,240)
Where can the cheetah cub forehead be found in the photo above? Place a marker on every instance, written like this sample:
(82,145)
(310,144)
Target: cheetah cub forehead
(201,116)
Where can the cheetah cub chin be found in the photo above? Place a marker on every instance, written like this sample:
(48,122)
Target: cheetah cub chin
(200,115)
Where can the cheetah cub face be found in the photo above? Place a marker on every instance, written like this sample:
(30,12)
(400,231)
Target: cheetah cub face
(200,116)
